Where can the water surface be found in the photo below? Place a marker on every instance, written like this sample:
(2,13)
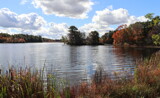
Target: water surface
(75,63)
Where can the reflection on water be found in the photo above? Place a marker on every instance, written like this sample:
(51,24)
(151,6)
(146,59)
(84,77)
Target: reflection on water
(75,63)
(127,58)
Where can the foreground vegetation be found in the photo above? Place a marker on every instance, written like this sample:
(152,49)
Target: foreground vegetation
(21,38)
(23,83)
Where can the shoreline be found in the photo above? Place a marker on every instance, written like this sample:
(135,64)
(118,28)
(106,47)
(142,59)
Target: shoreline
(117,46)
(133,46)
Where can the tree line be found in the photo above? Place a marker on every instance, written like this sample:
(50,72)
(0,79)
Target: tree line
(21,38)
(139,34)
(75,37)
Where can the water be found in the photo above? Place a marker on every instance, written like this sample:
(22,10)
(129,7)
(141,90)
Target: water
(74,63)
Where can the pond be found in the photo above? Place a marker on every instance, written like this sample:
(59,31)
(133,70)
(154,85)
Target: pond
(74,63)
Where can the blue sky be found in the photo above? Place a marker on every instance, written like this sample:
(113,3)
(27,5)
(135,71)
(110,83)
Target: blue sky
(51,18)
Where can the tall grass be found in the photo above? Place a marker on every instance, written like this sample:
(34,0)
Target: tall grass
(23,83)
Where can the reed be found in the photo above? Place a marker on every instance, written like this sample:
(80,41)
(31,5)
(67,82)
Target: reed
(22,83)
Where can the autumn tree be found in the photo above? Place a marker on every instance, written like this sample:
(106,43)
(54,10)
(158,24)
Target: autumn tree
(155,30)
(121,35)
(3,39)
(19,38)
(136,33)
(130,35)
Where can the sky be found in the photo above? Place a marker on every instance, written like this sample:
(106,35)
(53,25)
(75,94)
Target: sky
(52,18)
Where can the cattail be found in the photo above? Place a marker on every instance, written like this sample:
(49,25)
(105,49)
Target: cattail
(0,71)
(11,74)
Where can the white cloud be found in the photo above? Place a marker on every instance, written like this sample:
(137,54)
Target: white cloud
(59,28)
(23,2)
(115,17)
(52,30)
(4,30)
(110,7)
(31,23)
(10,30)
(68,8)
(102,21)
(10,19)
(133,19)
(95,27)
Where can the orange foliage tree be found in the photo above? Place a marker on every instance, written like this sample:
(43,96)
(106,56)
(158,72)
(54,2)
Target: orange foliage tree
(137,33)
(121,35)
(130,35)
(2,39)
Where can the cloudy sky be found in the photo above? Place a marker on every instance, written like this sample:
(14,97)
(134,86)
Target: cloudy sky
(51,18)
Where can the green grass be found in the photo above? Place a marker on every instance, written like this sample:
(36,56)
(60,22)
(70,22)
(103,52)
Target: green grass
(22,83)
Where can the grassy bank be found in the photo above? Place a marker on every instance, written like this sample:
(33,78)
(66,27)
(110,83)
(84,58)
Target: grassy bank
(23,83)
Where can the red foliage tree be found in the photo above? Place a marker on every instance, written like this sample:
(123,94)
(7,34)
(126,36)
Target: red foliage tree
(137,33)
(121,35)
(131,35)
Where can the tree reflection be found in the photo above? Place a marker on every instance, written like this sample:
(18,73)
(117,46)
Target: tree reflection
(135,53)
